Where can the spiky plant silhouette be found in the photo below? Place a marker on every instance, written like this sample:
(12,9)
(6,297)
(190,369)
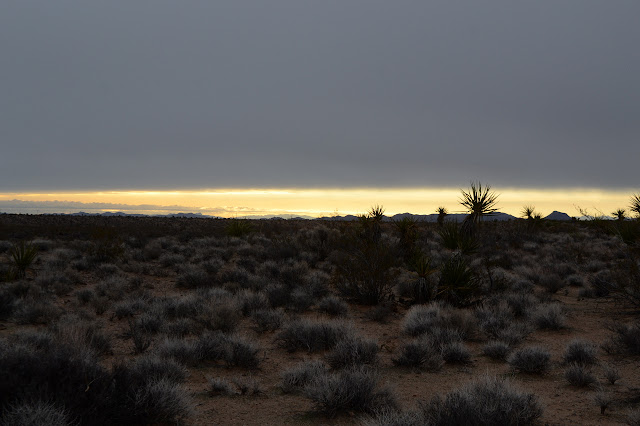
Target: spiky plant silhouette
(528,212)
(635,204)
(620,214)
(479,202)
(442,213)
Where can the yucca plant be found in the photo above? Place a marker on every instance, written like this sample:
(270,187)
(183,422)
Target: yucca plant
(423,287)
(620,214)
(22,255)
(408,229)
(458,284)
(442,213)
(238,227)
(454,238)
(479,202)
(635,204)
(528,212)
(370,223)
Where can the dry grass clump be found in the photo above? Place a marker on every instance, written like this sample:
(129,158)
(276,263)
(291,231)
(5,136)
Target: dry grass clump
(486,401)
(579,375)
(531,360)
(580,352)
(352,352)
(420,353)
(549,316)
(312,336)
(496,350)
(297,377)
(352,389)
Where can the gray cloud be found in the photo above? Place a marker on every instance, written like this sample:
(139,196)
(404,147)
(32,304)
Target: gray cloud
(164,94)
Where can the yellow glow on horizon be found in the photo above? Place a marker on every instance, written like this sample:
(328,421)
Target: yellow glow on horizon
(228,202)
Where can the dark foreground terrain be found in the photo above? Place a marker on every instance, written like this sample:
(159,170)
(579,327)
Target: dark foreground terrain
(120,320)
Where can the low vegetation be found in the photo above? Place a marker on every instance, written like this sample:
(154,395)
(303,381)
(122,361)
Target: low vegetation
(118,320)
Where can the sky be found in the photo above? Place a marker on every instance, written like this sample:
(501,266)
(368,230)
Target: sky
(328,98)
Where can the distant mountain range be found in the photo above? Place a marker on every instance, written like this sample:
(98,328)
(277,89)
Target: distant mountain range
(454,217)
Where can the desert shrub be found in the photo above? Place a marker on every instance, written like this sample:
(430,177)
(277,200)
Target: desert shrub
(437,317)
(353,389)
(487,401)
(240,352)
(633,418)
(151,322)
(58,374)
(113,288)
(420,353)
(364,270)
(278,294)
(55,281)
(611,373)
(532,360)
(193,276)
(35,310)
(458,284)
(602,400)
(158,401)
(626,338)
(80,333)
(580,352)
(155,368)
(521,303)
(453,238)
(267,319)
(250,301)
(333,306)
(22,256)
(422,318)
(168,260)
(514,333)
(496,350)
(456,353)
(105,270)
(219,386)
(128,308)
(211,346)
(492,320)
(297,377)
(34,413)
(395,418)
(312,336)
(579,375)
(220,317)
(549,316)
(353,352)
(301,300)
(183,351)
(238,228)
(575,280)
(551,282)
(85,295)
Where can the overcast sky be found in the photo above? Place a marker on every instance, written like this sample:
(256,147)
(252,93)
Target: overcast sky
(169,94)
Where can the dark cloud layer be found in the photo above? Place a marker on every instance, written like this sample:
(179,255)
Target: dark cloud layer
(165,94)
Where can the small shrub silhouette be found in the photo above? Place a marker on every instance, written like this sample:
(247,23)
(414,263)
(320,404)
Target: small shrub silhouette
(296,378)
(532,360)
(580,352)
(349,390)
(353,352)
(487,401)
(579,375)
